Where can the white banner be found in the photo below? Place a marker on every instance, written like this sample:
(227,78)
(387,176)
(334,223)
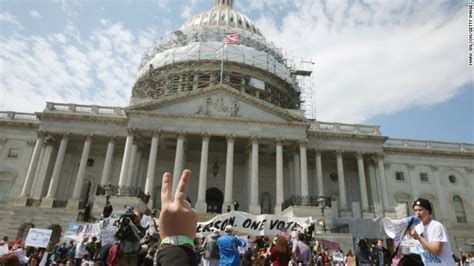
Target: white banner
(246,223)
(38,237)
(242,223)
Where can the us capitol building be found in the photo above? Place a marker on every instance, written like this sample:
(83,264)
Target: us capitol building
(232,114)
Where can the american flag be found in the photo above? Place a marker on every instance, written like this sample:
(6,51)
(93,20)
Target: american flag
(231,38)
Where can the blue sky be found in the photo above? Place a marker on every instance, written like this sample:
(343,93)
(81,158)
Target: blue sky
(400,64)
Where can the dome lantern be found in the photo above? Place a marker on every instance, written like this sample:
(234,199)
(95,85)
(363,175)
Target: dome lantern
(228,3)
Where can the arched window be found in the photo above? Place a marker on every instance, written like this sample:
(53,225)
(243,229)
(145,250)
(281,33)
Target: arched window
(24,230)
(56,235)
(459,210)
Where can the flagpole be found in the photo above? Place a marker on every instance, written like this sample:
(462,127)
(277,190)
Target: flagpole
(222,61)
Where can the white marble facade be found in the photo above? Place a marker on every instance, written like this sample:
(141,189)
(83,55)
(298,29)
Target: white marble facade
(239,148)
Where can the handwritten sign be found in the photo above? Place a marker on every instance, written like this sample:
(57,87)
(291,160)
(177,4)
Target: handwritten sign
(246,223)
(38,237)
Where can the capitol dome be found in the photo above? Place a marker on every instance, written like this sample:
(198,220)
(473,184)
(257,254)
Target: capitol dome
(196,57)
(222,15)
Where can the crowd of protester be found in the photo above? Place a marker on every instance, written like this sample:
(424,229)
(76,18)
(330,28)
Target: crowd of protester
(141,243)
(218,248)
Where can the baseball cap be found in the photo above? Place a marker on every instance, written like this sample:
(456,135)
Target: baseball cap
(423,203)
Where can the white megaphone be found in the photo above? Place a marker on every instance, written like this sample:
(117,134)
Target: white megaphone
(396,227)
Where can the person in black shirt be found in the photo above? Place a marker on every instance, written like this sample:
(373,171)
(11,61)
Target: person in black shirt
(108,209)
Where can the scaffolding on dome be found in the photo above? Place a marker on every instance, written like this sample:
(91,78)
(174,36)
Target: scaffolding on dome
(302,69)
(198,65)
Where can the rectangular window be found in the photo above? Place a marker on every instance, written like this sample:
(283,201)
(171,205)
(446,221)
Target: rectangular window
(4,187)
(399,176)
(14,153)
(423,177)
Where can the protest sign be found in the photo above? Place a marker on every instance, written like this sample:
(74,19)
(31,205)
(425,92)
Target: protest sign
(38,237)
(76,231)
(242,222)
(246,223)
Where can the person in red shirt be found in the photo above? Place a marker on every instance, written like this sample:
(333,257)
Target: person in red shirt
(280,253)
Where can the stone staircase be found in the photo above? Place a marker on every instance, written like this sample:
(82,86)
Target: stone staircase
(39,217)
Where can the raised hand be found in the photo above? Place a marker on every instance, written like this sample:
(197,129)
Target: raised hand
(176,217)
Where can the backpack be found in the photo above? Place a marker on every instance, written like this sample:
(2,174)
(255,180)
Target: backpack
(113,257)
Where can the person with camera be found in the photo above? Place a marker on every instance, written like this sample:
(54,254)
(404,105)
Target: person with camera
(129,234)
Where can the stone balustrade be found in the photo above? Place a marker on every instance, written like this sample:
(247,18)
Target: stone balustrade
(84,109)
(345,128)
(15,116)
(433,145)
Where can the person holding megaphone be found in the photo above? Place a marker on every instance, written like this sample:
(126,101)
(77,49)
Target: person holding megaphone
(433,240)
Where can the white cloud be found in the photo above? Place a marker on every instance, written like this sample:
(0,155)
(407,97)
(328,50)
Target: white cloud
(163,3)
(186,12)
(375,58)
(372,57)
(35,14)
(62,67)
(8,18)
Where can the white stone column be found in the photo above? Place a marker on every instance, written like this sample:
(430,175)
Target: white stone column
(126,158)
(304,169)
(249,172)
(254,207)
(279,176)
(469,186)
(340,180)
(30,174)
(151,169)
(229,174)
(39,181)
(296,168)
(362,182)
(109,156)
(201,206)
(319,174)
(383,180)
(131,166)
(413,178)
(442,199)
(53,185)
(81,173)
(373,183)
(178,161)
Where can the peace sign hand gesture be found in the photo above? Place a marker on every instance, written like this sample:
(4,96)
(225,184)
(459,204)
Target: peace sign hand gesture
(176,217)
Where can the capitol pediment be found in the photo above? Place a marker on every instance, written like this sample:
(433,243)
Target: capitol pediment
(218,101)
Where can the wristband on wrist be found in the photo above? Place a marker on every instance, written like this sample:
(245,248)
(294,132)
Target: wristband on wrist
(179,240)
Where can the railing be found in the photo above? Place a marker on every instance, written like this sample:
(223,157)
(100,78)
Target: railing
(15,116)
(84,109)
(345,128)
(429,145)
(342,229)
(295,200)
(116,191)
(59,204)
(33,202)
